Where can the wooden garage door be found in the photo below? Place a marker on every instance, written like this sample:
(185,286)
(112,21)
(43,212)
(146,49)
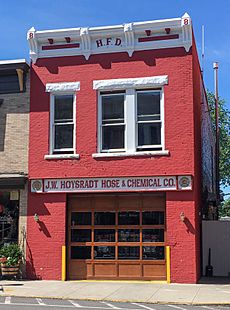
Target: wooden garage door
(116,237)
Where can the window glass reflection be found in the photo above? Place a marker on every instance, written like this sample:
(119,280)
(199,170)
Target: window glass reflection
(128,235)
(104,218)
(152,218)
(128,218)
(81,218)
(80,235)
(153,235)
(104,235)
(128,252)
(153,252)
(104,252)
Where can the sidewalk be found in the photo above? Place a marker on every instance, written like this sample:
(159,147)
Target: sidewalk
(149,292)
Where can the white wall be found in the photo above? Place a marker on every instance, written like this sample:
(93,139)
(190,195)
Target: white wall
(216,235)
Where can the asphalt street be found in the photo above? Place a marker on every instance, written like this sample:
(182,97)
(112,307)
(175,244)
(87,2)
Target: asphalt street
(21,303)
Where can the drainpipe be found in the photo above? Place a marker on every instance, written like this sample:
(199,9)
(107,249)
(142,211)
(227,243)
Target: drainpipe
(215,67)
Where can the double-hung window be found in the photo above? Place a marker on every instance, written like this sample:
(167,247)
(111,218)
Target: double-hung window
(149,119)
(62,124)
(112,121)
(62,119)
(131,116)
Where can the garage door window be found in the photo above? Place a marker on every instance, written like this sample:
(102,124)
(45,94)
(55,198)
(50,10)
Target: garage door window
(121,235)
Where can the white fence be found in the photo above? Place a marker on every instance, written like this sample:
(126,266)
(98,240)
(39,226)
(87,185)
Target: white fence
(216,236)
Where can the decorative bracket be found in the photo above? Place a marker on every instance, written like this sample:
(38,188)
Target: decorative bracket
(186,25)
(33,44)
(129,38)
(20,79)
(86,42)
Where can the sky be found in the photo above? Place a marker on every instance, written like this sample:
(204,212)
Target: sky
(17,17)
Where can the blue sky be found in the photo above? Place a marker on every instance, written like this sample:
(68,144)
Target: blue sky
(19,16)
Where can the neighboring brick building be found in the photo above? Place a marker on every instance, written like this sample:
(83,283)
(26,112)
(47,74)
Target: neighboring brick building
(14,138)
(115,153)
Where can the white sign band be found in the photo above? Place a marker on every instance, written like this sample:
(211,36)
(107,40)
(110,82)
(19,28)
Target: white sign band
(157,183)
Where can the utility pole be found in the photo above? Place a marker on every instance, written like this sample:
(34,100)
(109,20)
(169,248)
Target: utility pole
(215,67)
(202,52)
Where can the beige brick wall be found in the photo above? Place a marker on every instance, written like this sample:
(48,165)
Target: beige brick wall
(14,132)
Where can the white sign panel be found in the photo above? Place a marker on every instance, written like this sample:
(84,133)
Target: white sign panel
(110,184)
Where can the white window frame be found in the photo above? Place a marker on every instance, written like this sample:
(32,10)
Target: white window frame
(100,126)
(161,120)
(131,86)
(59,89)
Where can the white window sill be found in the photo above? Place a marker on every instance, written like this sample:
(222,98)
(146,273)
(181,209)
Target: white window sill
(134,154)
(62,156)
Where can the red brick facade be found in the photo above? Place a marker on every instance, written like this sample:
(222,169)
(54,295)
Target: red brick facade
(182,138)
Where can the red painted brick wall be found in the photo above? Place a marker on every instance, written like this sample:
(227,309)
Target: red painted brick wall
(179,127)
(45,238)
(179,140)
(181,236)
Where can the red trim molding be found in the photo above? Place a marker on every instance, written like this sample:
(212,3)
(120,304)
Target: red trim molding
(159,38)
(60,46)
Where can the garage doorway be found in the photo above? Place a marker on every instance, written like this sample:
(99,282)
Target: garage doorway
(116,237)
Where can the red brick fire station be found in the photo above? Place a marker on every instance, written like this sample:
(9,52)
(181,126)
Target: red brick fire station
(115,163)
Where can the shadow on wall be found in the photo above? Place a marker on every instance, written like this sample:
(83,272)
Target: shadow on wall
(189,226)
(2,129)
(105,61)
(43,229)
(148,57)
(30,270)
(40,211)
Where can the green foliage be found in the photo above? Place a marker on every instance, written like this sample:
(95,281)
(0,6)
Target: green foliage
(12,253)
(224,129)
(224,210)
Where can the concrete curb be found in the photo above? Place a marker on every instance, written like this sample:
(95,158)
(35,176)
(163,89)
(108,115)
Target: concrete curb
(207,303)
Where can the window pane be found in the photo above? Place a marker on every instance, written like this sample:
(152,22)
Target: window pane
(104,218)
(128,252)
(153,218)
(128,235)
(149,134)
(148,106)
(113,108)
(80,235)
(128,218)
(104,252)
(153,235)
(153,252)
(63,110)
(80,252)
(113,137)
(104,235)
(63,136)
(81,218)
(9,83)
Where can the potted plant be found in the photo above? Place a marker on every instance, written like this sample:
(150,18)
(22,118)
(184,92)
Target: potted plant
(10,257)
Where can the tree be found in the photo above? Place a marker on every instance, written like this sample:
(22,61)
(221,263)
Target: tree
(225,208)
(224,129)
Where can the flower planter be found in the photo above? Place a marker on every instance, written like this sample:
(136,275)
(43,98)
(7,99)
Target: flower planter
(9,271)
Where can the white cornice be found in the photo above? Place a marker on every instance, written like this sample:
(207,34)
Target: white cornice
(130,37)
(152,81)
(13,61)
(62,87)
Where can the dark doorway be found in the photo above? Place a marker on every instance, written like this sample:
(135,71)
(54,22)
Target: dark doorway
(9,214)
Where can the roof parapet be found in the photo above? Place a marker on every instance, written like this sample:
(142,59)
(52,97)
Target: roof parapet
(129,37)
